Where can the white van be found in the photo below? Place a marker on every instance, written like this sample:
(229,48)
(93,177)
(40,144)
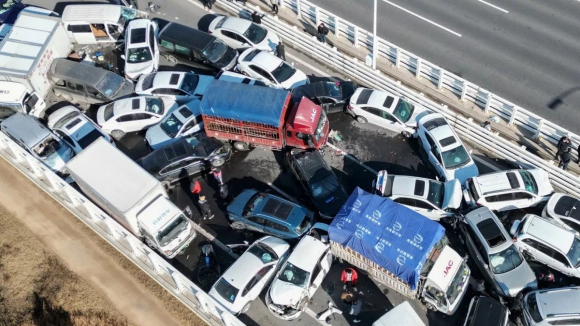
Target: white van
(402,314)
(92,24)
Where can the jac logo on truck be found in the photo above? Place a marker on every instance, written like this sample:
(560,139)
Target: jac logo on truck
(313,115)
(448,268)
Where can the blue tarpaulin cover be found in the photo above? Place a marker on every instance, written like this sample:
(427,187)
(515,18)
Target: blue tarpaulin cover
(391,235)
(244,102)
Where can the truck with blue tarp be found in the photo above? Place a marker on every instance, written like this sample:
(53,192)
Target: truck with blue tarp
(399,248)
(254,116)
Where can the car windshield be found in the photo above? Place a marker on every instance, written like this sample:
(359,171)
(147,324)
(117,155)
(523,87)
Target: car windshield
(255,33)
(215,50)
(283,72)
(263,252)
(89,138)
(319,132)
(505,261)
(529,181)
(324,187)
(253,203)
(455,157)
(532,305)
(154,105)
(226,290)
(171,231)
(294,275)
(457,283)
(138,55)
(47,147)
(436,192)
(574,253)
(110,84)
(404,110)
(108,114)
(171,125)
(189,83)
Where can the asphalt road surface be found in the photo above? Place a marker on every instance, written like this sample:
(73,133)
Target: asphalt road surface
(524,51)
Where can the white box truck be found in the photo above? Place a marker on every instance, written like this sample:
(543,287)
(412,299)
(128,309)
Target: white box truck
(26,53)
(131,196)
(398,248)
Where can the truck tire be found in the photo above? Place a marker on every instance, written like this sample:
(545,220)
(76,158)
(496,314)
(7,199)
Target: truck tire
(117,134)
(241,146)
(430,306)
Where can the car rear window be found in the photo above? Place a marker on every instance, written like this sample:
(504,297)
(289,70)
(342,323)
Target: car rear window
(226,290)
(220,22)
(277,209)
(447,141)
(364,96)
(108,114)
(491,232)
(434,123)
(138,35)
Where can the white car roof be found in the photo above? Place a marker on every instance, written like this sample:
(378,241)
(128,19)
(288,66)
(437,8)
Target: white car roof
(405,186)
(377,99)
(266,61)
(563,301)
(236,24)
(556,236)
(133,25)
(137,104)
(499,181)
(307,253)
(163,78)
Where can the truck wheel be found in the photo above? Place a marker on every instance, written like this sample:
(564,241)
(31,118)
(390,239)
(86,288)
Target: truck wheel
(218,162)
(361,119)
(171,59)
(117,134)
(430,306)
(237,226)
(406,134)
(241,146)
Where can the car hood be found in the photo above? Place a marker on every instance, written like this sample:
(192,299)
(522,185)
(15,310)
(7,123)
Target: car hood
(202,84)
(298,79)
(156,137)
(516,280)
(269,43)
(285,294)
(133,70)
(463,173)
(237,206)
(452,194)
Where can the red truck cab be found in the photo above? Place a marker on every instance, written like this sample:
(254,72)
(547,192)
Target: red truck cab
(306,126)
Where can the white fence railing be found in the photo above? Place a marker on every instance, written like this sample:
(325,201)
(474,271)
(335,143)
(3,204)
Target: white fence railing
(401,58)
(466,129)
(141,255)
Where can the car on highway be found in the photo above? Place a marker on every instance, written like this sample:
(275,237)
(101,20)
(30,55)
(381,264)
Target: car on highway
(564,209)
(242,34)
(486,311)
(133,114)
(179,86)
(385,110)
(494,253)
(548,307)
(430,198)
(185,157)
(332,96)
(179,122)
(444,149)
(75,128)
(233,77)
(299,278)
(317,178)
(141,49)
(265,213)
(270,69)
(548,243)
(247,277)
(508,190)
(28,132)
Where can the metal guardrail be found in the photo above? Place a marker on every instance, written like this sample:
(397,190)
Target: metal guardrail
(465,128)
(105,226)
(490,103)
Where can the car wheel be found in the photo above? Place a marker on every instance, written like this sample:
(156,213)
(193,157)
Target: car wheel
(246,308)
(171,59)
(241,146)
(237,225)
(406,134)
(117,134)
(218,162)
(430,306)
(361,119)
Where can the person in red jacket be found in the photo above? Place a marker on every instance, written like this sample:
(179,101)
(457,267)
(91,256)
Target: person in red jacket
(349,277)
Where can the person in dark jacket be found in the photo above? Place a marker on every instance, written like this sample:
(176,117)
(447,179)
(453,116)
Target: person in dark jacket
(256,18)
(355,309)
(565,159)
(322,32)
(280,52)
(562,146)
(205,209)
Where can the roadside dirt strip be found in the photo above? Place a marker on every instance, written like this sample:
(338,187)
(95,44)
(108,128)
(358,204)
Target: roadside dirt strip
(81,252)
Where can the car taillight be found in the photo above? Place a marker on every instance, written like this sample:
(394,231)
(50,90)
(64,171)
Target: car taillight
(349,107)
(337,83)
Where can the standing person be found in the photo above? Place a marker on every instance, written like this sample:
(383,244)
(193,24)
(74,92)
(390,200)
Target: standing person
(217,174)
(478,286)
(565,159)
(256,18)
(280,52)
(195,187)
(275,4)
(578,155)
(562,146)
(322,32)
(210,3)
(355,309)
(349,277)
(205,209)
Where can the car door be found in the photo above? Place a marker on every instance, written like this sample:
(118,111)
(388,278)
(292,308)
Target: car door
(255,223)
(373,115)
(477,251)
(330,104)
(128,123)
(154,47)
(501,201)
(254,287)
(275,228)
(76,91)
(192,126)
(524,199)
(561,263)
(319,272)
(544,254)
(195,165)
(82,33)
(433,153)
(425,208)
(231,39)
(388,121)
(261,74)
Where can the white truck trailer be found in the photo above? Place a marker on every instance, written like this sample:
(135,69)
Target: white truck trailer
(131,196)
(399,248)
(26,53)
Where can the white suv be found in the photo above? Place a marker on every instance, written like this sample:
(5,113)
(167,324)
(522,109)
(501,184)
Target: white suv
(444,149)
(548,243)
(565,210)
(552,307)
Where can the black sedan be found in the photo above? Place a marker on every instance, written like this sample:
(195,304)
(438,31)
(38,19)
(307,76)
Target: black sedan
(332,96)
(318,180)
(187,156)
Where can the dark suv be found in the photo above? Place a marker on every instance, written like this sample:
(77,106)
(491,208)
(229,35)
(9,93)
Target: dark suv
(332,96)
(318,180)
